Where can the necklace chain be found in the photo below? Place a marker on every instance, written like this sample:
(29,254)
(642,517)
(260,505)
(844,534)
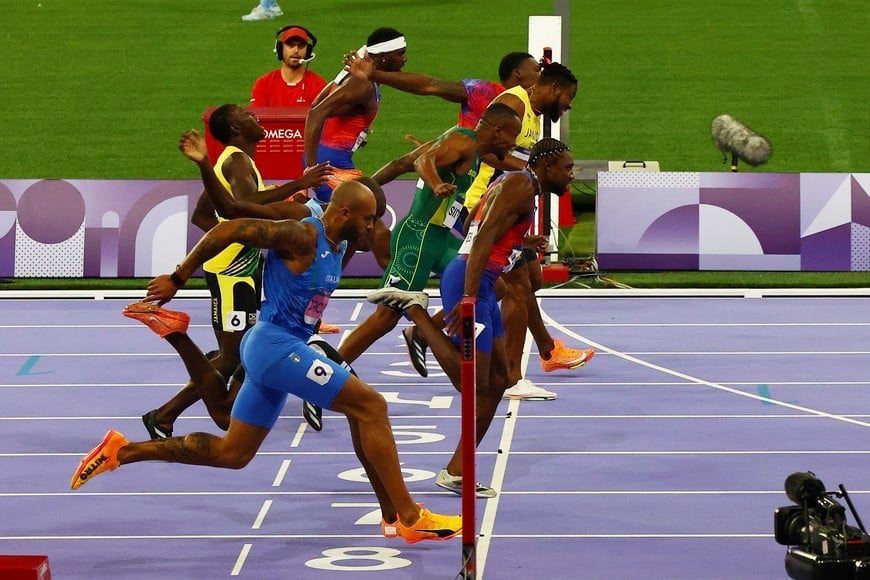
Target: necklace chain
(325,235)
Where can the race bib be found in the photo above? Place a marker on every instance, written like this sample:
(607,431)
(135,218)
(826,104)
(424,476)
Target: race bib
(453,213)
(512,259)
(319,372)
(315,308)
(235,320)
(361,138)
(465,248)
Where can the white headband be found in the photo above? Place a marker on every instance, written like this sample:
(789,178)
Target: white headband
(379,48)
(387,46)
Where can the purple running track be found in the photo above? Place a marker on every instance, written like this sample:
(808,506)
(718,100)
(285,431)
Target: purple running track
(663,458)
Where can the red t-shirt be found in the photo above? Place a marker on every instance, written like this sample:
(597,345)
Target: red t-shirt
(270,90)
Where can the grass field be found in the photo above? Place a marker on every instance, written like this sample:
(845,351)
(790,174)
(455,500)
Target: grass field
(102,89)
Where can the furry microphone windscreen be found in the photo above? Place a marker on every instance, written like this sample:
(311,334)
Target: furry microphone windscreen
(732,136)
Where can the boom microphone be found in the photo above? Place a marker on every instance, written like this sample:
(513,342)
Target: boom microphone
(732,136)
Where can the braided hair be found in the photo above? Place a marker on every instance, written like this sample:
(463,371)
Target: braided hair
(546,148)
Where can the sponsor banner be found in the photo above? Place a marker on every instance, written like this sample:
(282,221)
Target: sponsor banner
(118,228)
(733,221)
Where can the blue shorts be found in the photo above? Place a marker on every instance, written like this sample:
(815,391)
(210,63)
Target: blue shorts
(341,161)
(486,311)
(278,363)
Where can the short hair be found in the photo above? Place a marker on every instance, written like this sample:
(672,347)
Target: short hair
(380,197)
(510,62)
(498,113)
(219,123)
(382,34)
(545,148)
(559,73)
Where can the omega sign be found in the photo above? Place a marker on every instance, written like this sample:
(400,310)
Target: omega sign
(287,133)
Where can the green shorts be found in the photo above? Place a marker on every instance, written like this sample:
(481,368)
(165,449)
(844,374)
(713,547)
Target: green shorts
(418,250)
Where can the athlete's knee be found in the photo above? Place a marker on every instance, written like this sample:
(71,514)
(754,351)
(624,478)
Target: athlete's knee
(374,404)
(360,402)
(517,281)
(234,458)
(385,317)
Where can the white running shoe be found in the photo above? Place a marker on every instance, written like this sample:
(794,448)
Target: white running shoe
(399,299)
(454,483)
(526,390)
(260,13)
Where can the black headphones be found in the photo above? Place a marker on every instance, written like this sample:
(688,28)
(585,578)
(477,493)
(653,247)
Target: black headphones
(279,44)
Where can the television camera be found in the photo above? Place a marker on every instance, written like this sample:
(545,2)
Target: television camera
(821,546)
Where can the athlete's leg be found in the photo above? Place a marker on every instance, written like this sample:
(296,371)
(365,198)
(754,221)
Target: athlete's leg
(366,411)
(444,349)
(209,383)
(422,248)
(235,302)
(554,354)
(515,314)
(379,323)
(232,451)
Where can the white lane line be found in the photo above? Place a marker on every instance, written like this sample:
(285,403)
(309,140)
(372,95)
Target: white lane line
(299,433)
(487,523)
(600,347)
(282,471)
(258,521)
(240,561)
(354,316)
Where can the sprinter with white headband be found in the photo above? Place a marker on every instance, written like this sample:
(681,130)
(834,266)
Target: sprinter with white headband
(339,121)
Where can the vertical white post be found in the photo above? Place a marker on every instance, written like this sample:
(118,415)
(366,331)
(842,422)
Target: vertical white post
(546,32)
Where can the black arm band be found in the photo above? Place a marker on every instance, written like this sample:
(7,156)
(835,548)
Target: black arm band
(176,279)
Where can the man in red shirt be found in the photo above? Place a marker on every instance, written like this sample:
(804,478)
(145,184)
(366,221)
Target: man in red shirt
(292,84)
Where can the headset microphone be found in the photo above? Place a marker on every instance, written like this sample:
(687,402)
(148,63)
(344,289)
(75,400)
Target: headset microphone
(302,33)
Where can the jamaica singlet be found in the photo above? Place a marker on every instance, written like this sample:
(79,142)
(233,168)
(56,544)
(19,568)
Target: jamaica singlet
(236,260)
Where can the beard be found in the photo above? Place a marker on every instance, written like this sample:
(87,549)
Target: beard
(554,112)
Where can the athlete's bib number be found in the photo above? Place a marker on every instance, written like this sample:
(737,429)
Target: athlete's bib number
(235,321)
(453,213)
(465,248)
(315,308)
(512,259)
(361,138)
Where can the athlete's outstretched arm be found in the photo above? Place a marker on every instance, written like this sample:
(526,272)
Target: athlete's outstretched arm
(193,146)
(290,237)
(408,82)
(400,166)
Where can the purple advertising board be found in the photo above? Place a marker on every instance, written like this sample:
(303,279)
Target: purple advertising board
(733,221)
(118,228)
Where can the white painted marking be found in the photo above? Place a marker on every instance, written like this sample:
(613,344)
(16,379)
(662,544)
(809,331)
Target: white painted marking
(282,471)
(240,561)
(258,521)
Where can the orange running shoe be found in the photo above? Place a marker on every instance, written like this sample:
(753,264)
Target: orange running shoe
(326,328)
(562,357)
(161,320)
(102,458)
(430,526)
(389,530)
